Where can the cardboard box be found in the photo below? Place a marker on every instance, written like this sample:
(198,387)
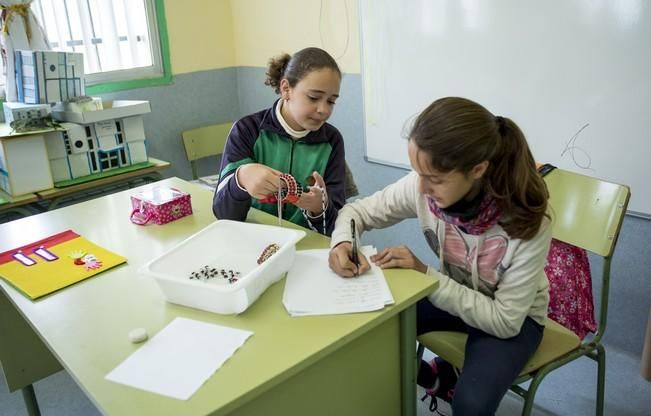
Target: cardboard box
(111,110)
(133,129)
(137,152)
(70,153)
(71,158)
(24,164)
(22,111)
(99,140)
(44,77)
(80,104)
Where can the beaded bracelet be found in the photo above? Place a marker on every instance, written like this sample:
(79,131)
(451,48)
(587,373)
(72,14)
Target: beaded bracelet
(293,192)
(324,206)
(290,193)
(268,251)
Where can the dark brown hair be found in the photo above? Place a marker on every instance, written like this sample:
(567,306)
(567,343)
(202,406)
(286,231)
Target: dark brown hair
(458,134)
(294,68)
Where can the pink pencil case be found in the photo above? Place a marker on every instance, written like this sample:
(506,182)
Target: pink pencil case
(159,205)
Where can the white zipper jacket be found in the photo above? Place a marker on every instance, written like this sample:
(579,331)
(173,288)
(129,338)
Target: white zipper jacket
(491,281)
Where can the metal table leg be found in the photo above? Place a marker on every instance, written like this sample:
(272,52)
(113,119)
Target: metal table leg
(30,401)
(408,360)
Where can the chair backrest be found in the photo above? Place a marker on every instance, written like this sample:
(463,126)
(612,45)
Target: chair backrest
(351,186)
(587,212)
(205,141)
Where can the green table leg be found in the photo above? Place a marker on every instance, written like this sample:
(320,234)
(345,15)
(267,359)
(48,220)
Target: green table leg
(408,360)
(30,401)
(24,357)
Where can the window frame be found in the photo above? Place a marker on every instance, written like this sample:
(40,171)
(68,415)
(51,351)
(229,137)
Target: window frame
(126,79)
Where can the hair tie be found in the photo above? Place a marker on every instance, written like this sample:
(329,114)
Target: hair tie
(501,124)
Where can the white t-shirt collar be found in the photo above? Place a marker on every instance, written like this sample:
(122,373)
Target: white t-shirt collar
(293,133)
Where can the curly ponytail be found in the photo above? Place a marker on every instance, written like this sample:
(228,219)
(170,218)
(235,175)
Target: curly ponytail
(275,71)
(295,68)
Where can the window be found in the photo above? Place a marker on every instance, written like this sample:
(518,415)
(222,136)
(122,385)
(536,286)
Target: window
(119,38)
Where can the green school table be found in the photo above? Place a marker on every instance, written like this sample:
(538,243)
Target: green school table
(323,365)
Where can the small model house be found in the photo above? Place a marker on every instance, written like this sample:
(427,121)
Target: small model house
(97,141)
(96,137)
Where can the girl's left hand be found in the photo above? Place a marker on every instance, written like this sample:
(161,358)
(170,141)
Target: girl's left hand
(400,257)
(312,201)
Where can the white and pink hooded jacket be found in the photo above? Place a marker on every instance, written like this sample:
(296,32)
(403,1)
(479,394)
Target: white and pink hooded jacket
(491,281)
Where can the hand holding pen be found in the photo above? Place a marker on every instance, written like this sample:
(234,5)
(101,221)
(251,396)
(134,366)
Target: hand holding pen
(345,258)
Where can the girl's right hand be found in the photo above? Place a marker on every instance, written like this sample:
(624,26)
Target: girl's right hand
(340,260)
(259,180)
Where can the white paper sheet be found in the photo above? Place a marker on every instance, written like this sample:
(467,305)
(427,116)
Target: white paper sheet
(180,358)
(312,288)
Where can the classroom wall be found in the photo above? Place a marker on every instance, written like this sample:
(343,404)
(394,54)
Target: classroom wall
(221,78)
(210,21)
(266,28)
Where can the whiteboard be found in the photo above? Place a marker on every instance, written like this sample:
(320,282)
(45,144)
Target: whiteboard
(575,75)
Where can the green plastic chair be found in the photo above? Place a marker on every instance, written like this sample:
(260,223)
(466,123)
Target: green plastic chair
(350,189)
(587,213)
(204,142)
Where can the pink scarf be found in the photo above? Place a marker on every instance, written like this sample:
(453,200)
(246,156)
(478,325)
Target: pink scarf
(488,215)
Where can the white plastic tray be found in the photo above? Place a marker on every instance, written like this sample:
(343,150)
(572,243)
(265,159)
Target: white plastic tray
(224,245)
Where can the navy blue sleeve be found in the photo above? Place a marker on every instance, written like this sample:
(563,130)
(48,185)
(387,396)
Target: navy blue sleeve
(230,202)
(334,178)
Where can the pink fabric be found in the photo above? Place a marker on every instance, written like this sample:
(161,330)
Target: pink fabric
(570,291)
(488,216)
(489,259)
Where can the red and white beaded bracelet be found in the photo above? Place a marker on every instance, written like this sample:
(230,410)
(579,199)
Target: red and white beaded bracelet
(293,191)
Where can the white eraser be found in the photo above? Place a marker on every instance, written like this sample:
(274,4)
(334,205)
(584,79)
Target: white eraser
(138,335)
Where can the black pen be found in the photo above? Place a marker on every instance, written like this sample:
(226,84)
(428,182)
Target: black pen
(353,232)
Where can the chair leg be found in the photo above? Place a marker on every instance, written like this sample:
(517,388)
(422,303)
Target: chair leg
(30,401)
(601,378)
(531,392)
(528,405)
